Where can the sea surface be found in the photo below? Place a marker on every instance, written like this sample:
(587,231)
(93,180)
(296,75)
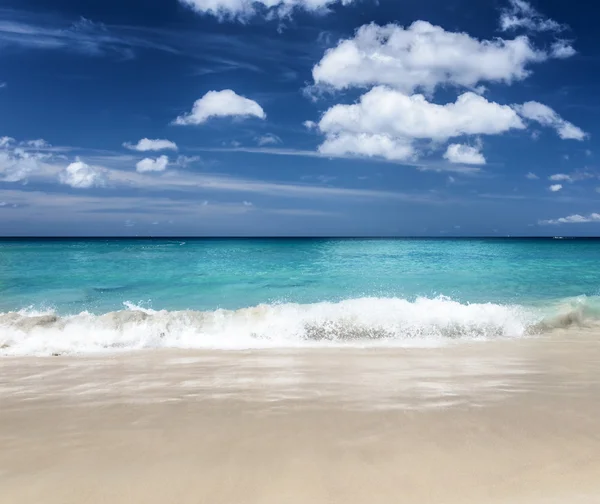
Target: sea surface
(98,295)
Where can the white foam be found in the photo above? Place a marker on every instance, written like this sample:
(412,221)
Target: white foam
(358,322)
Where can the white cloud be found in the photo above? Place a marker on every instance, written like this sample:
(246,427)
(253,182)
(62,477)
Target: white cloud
(309,125)
(555,187)
(146,144)
(383,110)
(544,115)
(17,163)
(571,177)
(560,177)
(386,123)
(184,161)
(224,103)
(6,141)
(561,49)
(40,143)
(82,176)
(423,56)
(3,85)
(521,14)
(366,144)
(269,139)
(532,176)
(152,165)
(464,154)
(573,219)
(243,9)
(247,203)
(83,36)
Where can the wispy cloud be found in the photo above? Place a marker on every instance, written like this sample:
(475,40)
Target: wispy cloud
(502,196)
(575,176)
(278,151)
(268,139)
(522,15)
(81,36)
(572,219)
(118,174)
(304,212)
(154,215)
(211,51)
(48,206)
(201,182)
(218,64)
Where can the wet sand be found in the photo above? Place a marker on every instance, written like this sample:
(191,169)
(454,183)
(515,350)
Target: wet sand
(501,422)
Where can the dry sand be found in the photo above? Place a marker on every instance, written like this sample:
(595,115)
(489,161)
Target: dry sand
(504,422)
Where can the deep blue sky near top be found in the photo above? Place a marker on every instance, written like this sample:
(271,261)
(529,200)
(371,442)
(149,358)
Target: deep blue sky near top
(87,77)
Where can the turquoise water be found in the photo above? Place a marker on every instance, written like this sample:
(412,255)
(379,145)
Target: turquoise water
(99,276)
(365,283)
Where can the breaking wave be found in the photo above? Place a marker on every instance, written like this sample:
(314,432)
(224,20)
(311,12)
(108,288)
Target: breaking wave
(358,322)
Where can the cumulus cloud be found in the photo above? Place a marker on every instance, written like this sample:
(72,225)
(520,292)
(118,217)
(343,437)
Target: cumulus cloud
(17,163)
(224,103)
(573,219)
(242,10)
(423,56)
(383,110)
(369,145)
(146,144)
(80,175)
(544,115)
(561,49)
(152,165)
(309,125)
(386,122)
(555,187)
(464,154)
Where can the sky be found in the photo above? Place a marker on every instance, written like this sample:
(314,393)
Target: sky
(299,118)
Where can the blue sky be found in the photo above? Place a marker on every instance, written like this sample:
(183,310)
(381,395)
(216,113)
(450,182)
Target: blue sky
(299,117)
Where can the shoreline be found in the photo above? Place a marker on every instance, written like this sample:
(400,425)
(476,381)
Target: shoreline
(500,422)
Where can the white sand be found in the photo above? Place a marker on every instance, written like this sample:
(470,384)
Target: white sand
(508,422)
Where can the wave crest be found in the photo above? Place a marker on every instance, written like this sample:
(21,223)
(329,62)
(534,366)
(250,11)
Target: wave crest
(365,321)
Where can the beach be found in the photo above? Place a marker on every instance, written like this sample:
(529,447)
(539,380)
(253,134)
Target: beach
(501,422)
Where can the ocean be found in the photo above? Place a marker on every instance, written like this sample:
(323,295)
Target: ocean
(80,296)
(323,371)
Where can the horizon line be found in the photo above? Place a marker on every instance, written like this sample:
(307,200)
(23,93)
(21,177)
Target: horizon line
(293,237)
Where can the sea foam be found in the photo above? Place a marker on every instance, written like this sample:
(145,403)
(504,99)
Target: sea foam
(354,322)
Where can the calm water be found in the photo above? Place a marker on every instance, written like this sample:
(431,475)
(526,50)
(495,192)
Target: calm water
(87,295)
(99,276)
